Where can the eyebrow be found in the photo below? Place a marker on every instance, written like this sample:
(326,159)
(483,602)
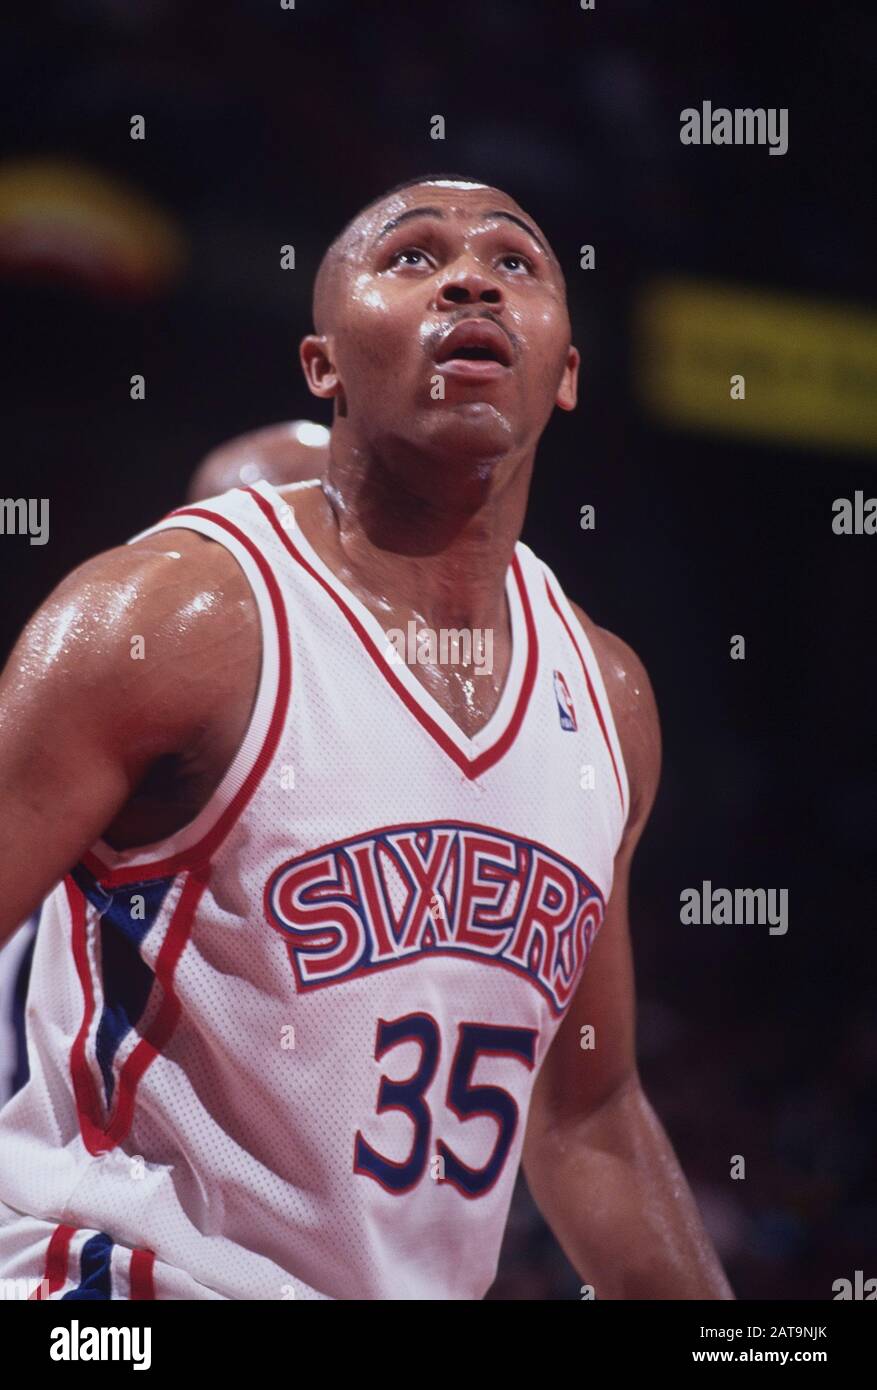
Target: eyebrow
(519,222)
(394,222)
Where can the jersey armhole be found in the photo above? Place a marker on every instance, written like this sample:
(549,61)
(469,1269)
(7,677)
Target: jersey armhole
(196,841)
(596,686)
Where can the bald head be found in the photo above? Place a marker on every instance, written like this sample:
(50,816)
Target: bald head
(409,270)
(289,453)
(382,214)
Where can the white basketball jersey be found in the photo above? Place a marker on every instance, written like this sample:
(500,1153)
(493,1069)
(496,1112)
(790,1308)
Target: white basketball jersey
(289,1051)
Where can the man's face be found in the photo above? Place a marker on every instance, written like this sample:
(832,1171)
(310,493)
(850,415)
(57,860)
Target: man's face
(449,332)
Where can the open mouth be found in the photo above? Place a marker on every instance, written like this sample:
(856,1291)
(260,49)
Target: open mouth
(476,354)
(475,348)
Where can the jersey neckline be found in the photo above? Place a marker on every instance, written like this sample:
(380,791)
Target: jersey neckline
(484,748)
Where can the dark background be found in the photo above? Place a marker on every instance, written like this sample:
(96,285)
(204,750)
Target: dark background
(266,127)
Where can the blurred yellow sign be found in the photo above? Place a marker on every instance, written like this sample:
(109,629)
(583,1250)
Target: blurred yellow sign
(809,371)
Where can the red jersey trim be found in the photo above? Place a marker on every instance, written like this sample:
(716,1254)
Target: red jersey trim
(100,1136)
(141,1275)
(471,767)
(206,847)
(57,1256)
(599,713)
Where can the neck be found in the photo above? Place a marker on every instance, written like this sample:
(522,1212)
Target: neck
(434,540)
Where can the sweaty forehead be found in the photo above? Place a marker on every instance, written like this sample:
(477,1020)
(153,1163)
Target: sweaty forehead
(455,198)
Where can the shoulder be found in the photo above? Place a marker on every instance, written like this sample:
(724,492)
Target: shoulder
(635,712)
(176,582)
(151,634)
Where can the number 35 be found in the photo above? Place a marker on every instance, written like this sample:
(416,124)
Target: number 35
(464,1099)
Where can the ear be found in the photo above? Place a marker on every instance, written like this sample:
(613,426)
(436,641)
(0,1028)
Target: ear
(567,391)
(316,353)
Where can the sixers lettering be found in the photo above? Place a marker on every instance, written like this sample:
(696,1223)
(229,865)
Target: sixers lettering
(459,889)
(322,930)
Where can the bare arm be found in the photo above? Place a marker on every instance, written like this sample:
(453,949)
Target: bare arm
(597,1159)
(86,710)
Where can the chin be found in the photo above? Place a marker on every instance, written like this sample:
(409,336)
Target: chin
(468,432)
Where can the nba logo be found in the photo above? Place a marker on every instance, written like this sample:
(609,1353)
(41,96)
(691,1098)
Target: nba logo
(565,707)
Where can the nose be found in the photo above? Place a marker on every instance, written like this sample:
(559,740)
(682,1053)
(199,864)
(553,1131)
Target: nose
(467,285)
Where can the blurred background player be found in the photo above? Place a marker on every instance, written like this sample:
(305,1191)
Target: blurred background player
(289,453)
(292,452)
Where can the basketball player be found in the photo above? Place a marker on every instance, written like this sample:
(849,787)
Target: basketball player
(287,453)
(333,922)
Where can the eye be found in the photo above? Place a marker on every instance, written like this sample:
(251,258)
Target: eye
(521,262)
(412,254)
